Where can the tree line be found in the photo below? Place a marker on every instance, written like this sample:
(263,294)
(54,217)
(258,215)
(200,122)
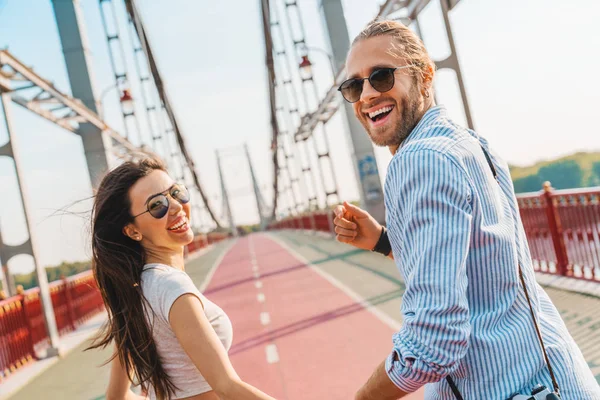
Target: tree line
(565,174)
(65,269)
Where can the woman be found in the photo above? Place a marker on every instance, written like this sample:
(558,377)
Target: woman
(167,335)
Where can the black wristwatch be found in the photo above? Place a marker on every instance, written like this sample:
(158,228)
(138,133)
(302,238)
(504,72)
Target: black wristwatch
(383,245)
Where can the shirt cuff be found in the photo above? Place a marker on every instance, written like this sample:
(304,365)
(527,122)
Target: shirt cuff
(400,374)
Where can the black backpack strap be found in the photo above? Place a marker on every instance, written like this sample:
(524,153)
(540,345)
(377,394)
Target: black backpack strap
(489,161)
(454,388)
(535,324)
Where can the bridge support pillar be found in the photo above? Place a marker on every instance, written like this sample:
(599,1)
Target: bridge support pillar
(69,20)
(28,247)
(363,156)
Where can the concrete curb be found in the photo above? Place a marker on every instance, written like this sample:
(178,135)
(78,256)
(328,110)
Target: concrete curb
(579,286)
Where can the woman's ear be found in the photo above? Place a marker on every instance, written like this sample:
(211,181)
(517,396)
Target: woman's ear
(130,231)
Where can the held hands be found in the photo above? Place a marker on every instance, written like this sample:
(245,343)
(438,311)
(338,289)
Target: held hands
(131,395)
(355,226)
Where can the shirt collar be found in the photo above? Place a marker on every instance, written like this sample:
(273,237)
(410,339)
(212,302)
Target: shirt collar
(432,114)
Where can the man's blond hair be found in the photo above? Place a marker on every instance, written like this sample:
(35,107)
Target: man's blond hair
(406,46)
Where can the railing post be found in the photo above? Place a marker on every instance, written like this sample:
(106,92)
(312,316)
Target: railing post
(330,221)
(562,259)
(69,302)
(29,337)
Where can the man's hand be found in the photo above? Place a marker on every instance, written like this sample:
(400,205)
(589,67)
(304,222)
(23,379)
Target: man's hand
(355,226)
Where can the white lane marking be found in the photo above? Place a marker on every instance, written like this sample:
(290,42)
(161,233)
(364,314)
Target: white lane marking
(258,284)
(256,275)
(265,318)
(272,353)
(261,297)
(255,268)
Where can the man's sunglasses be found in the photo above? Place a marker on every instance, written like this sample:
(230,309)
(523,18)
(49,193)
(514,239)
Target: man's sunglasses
(158,205)
(381,79)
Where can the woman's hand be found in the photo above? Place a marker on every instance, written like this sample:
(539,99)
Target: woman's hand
(132,396)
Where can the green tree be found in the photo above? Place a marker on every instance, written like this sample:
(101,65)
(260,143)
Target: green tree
(65,269)
(595,175)
(566,174)
(531,183)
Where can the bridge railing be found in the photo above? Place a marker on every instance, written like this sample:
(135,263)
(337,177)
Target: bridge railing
(202,241)
(74,300)
(322,221)
(562,229)
(22,329)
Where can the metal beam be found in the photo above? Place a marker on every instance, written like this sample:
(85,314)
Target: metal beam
(136,19)
(12,75)
(270,62)
(330,103)
(362,153)
(7,59)
(30,246)
(226,204)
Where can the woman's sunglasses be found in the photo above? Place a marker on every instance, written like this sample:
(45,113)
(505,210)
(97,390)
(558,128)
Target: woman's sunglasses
(381,79)
(158,205)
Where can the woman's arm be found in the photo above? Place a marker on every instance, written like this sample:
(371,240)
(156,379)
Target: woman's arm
(201,343)
(119,385)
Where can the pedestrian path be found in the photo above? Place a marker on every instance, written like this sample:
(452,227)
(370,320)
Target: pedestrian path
(312,319)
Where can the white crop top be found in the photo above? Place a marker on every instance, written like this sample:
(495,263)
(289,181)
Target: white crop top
(162,285)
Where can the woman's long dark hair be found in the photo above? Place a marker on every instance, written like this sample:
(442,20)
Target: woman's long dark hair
(118,261)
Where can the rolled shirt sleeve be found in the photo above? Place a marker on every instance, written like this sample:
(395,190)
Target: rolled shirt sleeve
(428,200)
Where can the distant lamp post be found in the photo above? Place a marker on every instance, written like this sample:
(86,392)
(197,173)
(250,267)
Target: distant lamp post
(305,67)
(306,64)
(125,99)
(126,102)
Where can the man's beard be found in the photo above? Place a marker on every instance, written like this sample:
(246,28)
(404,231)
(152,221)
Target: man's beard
(407,122)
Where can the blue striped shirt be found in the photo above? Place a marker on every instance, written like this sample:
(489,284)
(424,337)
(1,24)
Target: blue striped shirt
(457,239)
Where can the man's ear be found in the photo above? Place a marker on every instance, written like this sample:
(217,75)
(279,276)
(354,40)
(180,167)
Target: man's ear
(428,74)
(130,231)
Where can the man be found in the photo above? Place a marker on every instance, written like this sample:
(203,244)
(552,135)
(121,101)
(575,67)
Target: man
(457,238)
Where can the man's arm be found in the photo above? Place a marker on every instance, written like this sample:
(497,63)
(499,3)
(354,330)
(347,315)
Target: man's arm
(379,387)
(429,219)
(119,385)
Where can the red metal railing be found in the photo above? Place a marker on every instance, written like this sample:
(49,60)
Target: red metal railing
(562,228)
(563,231)
(74,300)
(319,221)
(22,328)
(16,346)
(201,241)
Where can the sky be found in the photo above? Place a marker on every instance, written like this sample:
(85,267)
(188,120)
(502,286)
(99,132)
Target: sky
(530,70)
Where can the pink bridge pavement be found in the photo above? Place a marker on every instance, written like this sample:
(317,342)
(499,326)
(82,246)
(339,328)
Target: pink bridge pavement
(296,335)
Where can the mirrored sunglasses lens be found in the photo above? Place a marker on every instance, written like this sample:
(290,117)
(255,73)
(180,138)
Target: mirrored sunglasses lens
(158,206)
(180,193)
(382,80)
(351,90)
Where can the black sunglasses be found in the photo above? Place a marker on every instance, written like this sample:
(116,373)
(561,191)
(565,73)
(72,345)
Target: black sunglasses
(158,205)
(381,79)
